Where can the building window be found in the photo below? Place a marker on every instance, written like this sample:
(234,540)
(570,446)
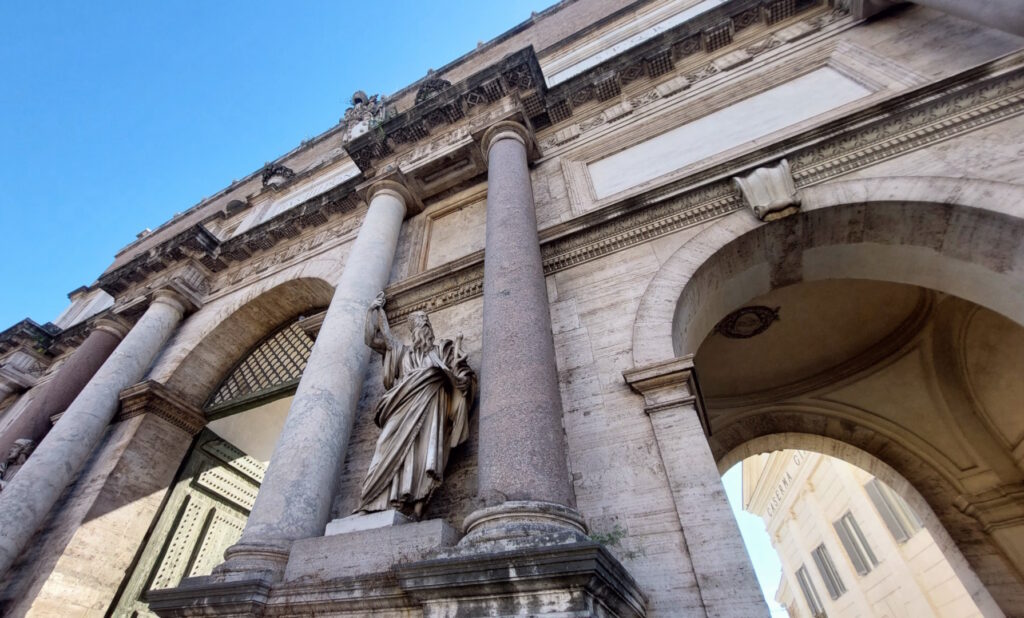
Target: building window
(810,594)
(856,545)
(829,575)
(896,513)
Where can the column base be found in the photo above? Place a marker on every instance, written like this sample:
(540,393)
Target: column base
(520,520)
(254,560)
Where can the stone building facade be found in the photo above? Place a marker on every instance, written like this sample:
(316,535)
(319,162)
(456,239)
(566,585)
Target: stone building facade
(814,205)
(850,546)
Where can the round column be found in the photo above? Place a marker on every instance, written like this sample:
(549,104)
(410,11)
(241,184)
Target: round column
(294,501)
(1005,15)
(29,497)
(58,393)
(523,476)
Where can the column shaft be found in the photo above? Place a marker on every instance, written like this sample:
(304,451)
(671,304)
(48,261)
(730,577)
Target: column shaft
(28,498)
(522,441)
(1005,15)
(295,498)
(57,394)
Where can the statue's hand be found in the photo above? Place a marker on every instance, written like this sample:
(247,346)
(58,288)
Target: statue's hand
(378,302)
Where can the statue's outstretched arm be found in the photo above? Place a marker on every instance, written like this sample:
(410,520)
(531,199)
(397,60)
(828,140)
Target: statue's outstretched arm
(378,333)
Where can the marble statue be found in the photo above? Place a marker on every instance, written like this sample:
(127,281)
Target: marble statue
(422,416)
(16,457)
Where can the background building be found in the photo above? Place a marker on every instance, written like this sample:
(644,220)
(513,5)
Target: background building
(849,544)
(711,229)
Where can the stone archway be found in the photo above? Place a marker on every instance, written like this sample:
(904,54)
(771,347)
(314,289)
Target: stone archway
(964,238)
(215,338)
(906,488)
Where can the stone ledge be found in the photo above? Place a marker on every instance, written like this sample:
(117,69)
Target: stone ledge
(568,579)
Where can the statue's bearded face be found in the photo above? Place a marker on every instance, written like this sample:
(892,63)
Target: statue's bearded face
(422,332)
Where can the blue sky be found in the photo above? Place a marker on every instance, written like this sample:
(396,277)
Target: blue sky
(767,566)
(115,116)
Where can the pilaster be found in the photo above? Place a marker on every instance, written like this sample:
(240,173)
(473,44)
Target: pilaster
(720,561)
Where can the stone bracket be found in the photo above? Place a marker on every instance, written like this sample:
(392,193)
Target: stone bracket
(151,397)
(667,385)
(770,191)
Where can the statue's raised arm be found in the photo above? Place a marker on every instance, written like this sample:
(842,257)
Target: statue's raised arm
(378,333)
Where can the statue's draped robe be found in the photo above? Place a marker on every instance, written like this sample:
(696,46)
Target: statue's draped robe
(422,416)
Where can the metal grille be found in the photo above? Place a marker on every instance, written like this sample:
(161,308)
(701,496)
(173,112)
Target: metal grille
(276,363)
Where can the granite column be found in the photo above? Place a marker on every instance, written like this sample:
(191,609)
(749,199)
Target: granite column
(295,498)
(57,394)
(524,479)
(29,497)
(1005,15)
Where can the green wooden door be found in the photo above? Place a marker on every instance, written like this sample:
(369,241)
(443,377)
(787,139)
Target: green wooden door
(203,516)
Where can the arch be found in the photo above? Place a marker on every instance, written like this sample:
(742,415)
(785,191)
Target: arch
(220,342)
(960,236)
(888,475)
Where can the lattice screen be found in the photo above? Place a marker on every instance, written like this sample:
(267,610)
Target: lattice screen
(274,364)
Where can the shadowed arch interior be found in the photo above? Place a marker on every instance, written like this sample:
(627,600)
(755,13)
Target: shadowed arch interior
(210,361)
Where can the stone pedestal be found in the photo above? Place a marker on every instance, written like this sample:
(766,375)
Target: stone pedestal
(581,580)
(26,501)
(365,521)
(724,573)
(294,501)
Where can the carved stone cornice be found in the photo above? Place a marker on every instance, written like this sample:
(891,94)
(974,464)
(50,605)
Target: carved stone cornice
(432,166)
(910,121)
(519,74)
(151,397)
(28,335)
(189,283)
(198,244)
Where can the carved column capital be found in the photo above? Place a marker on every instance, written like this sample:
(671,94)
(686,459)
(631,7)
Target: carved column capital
(170,296)
(392,182)
(508,129)
(151,397)
(112,324)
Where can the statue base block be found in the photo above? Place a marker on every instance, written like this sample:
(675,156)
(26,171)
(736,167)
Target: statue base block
(367,551)
(365,521)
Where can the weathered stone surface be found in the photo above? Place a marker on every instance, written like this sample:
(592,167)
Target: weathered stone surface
(366,551)
(365,521)
(522,444)
(58,393)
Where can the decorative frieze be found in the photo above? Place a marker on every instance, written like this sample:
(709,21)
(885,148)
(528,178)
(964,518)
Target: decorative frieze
(927,117)
(725,62)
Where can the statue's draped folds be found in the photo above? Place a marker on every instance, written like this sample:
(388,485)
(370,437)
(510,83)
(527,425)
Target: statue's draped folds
(422,416)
